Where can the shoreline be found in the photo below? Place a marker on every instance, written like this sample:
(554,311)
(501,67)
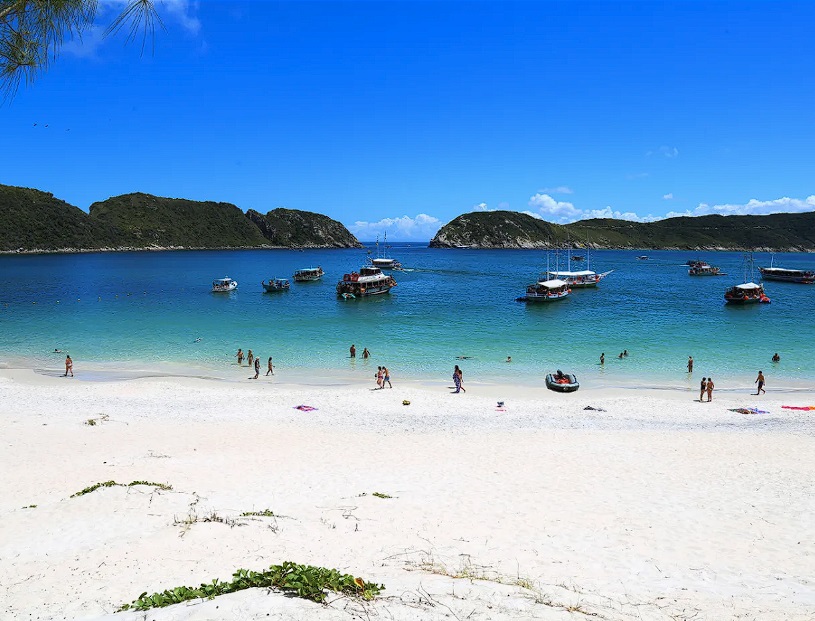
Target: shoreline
(645,506)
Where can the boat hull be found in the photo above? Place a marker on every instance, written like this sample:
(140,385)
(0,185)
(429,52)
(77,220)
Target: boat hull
(553,384)
(793,276)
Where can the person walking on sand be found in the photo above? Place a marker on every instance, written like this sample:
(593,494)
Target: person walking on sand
(257,368)
(690,364)
(250,358)
(239,356)
(386,377)
(458,379)
(378,377)
(269,368)
(353,351)
(702,389)
(760,382)
(710,387)
(69,366)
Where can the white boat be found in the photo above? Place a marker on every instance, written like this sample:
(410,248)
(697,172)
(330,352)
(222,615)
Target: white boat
(546,291)
(383,261)
(224,285)
(803,277)
(580,279)
(700,268)
(747,292)
(308,274)
(368,281)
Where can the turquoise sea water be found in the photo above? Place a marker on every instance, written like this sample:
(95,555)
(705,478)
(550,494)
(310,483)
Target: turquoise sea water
(146,310)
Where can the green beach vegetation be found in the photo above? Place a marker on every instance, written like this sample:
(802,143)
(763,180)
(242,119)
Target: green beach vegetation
(305,581)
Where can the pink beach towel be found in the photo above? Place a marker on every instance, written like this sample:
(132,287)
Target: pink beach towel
(304,408)
(799,407)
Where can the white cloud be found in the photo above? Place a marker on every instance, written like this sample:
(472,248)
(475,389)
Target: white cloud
(561,189)
(664,151)
(752,207)
(481,207)
(423,227)
(668,196)
(563,213)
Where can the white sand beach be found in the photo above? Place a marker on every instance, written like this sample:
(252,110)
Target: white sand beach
(659,507)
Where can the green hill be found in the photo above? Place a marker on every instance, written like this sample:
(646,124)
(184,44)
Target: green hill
(504,229)
(291,228)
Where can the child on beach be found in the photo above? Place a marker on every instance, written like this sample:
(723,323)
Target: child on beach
(270,367)
(760,382)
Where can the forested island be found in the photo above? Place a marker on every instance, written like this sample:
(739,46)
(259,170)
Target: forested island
(781,232)
(36,221)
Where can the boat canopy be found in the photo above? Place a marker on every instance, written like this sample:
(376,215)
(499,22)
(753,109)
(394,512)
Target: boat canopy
(222,281)
(573,274)
(553,284)
(749,286)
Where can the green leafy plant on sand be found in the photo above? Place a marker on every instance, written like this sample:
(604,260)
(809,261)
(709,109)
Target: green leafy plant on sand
(305,581)
(96,486)
(264,513)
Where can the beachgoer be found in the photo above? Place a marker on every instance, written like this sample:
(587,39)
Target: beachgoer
(625,352)
(257,368)
(709,389)
(239,356)
(378,377)
(690,364)
(461,380)
(365,353)
(270,368)
(250,358)
(702,389)
(760,382)
(621,355)
(353,351)
(776,357)
(457,379)
(386,377)
(509,358)
(69,366)
(603,358)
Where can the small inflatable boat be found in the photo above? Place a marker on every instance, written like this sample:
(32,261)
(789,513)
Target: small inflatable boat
(562,382)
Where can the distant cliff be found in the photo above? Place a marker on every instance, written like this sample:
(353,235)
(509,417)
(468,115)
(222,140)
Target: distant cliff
(35,221)
(793,232)
(302,229)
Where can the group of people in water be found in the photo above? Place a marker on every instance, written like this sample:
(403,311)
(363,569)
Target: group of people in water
(254,361)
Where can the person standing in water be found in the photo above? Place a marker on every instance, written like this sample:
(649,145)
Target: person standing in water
(365,353)
(250,358)
(353,351)
(603,358)
(690,364)
(239,356)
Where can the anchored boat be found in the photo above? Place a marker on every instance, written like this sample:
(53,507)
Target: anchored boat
(369,280)
(224,285)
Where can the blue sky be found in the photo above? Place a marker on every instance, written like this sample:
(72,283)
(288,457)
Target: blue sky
(400,116)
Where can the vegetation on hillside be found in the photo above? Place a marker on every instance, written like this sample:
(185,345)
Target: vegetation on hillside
(502,229)
(293,228)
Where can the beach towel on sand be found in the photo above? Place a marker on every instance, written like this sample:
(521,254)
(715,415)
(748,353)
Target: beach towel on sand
(799,407)
(749,411)
(304,408)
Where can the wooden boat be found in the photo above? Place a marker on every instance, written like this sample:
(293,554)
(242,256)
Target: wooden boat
(580,279)
(383,261)
(308,274)
(700,268)
(276,284)
(747,293)
(802,277)
(224,285)
(562,382)
(368,281)
(546,291)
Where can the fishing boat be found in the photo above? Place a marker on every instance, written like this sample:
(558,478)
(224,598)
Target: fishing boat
(383,261)
(308,274)
(748,292)
(368,281)
(700,268)
(562,382)
(276,284)
(802,277)
(224,285)
(546,291)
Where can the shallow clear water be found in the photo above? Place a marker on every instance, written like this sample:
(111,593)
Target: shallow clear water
(145,310)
